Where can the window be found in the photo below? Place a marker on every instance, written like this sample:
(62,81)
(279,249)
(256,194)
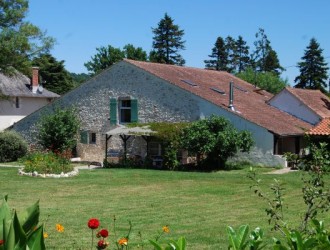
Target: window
(191,83)
(17,102)
(218,91)
(92,138)
(126,108)
(125,111)
(87,137)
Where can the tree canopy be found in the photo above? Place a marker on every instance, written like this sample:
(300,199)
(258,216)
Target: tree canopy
(53,74)
(167,42)
(229,55)
(313,68)
(20,41)
(264,58)
(264,80)
(219,56)
(107,56)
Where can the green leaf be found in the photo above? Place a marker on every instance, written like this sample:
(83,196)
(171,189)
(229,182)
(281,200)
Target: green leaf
(182,243)
(5,217)
(238,240)
(29,218)
(36,239)
(16,238)
(155,244)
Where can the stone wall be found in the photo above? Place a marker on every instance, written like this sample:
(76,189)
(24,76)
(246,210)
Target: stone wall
(158,101)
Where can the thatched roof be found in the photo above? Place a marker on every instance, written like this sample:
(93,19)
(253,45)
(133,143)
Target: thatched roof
(19,85)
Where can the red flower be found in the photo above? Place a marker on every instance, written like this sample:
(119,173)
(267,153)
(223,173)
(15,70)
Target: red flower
(102,244)
(93,223)
(2,242)
(104,233)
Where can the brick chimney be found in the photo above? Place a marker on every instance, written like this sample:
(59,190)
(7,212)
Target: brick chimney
(35,79)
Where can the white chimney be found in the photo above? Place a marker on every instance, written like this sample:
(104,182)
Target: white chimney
(35,79)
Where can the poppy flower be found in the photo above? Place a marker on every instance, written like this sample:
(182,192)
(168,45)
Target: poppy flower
(103,233)
(93,223)
(102,244)
(2,242)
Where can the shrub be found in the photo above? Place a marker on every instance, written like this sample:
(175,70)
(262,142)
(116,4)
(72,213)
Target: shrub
(58,131)
(214,140)
(12,146)
(46,162)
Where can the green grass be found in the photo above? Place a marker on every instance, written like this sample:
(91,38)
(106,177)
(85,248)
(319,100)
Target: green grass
(198,206)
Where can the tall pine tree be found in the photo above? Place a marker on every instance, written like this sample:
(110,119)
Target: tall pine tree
(313,68)
(241,55)
(230,46)
(264,58)
(167,42)
(219,56)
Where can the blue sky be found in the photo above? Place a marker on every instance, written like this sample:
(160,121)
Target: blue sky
(81,26)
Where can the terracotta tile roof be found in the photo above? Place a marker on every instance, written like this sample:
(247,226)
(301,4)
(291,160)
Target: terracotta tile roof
(250,105)
(322,128)
(19,85)
(314,99)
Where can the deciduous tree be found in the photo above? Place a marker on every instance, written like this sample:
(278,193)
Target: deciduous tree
(264,80)
(107,56)
(167,42)
(134,53)
(313,68)
(20,41)
(104,58)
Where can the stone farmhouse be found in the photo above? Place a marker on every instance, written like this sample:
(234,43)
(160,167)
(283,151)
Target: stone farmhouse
(20,96)
(134,91)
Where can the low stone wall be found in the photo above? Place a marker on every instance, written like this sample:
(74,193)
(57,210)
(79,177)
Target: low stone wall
(256,156)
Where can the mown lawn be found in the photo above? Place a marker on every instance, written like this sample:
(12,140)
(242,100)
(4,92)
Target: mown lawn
(198,206)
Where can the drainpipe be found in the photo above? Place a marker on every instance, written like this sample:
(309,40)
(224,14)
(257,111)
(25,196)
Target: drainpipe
(231,96)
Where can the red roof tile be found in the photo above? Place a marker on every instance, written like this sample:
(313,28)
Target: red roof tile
(314,99)
(251,106)
(322,128)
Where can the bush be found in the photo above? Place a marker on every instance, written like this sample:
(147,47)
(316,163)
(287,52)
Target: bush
(214,140)
(58,131)
(12,146)
(46,163)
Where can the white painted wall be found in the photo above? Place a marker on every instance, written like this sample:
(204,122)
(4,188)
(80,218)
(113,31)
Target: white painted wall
(289,103)
(9,114)
(264,140)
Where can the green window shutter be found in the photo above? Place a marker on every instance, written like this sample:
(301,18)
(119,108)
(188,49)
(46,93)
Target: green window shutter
(84,137)
(113,111)
(134,110)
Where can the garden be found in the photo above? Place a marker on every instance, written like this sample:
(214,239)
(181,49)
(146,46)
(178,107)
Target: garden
(198,206)
(241,207)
